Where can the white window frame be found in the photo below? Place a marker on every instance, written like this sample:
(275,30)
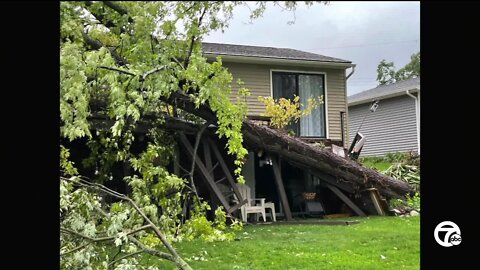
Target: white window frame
(325,90)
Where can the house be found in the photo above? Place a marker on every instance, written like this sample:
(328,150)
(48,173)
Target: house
(395,125)
(282,72)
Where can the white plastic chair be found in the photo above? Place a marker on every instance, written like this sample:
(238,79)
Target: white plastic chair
(251,207)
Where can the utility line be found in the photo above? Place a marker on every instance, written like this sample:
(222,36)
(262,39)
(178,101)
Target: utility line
(363,45)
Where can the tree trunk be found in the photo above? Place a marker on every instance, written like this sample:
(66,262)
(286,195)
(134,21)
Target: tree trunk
(314,158)
(318,161)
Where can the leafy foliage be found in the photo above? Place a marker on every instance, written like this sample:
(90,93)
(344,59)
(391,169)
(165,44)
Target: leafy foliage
(405,167)
(410,70)
(284,111)
(386,73)
(406,173)
(409,202)
(121,61)
(409,158)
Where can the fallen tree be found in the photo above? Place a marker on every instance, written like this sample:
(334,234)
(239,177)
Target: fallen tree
(304,155)
(314,158)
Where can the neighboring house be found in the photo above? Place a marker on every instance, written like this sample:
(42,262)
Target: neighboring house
(282,72)
(395,125)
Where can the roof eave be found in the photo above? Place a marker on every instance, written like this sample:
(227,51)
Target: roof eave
(282,61)
(396,94)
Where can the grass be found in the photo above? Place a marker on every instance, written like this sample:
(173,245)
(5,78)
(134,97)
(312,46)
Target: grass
(374,243)
(378,163)
(380,166)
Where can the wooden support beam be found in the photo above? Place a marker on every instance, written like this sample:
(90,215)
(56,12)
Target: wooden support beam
(206,175)
(375,197)
(208,157)
(220,180)
(280,188)
(238,205)
(208,164)
(346,200)
(346,186)
(214,166)
(226,170)
(176,161)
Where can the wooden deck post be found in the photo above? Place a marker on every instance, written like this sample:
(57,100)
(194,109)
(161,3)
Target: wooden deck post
(280,188)
(225,169)
(205,173)
(208,157)
(208,164)
(346,200)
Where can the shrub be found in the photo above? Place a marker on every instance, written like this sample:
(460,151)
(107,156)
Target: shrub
(284,111)
(409,202)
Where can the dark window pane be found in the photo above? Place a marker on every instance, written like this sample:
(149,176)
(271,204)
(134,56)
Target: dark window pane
(284,85)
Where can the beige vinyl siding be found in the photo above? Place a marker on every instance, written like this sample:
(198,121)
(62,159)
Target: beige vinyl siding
(257,79)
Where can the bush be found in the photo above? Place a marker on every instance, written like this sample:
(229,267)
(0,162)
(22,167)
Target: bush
(409,158)
(285,111)
(408,203)
(373,159)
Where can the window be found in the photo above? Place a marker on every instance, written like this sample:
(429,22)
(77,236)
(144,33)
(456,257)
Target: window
(288,84)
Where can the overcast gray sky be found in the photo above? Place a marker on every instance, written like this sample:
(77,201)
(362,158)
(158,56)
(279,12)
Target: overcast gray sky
(362,32)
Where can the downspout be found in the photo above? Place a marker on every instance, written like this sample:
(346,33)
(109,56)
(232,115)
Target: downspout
(417,116)
(346,111)
(351,73)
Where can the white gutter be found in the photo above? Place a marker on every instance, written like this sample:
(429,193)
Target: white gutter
(277,61)
(417,115)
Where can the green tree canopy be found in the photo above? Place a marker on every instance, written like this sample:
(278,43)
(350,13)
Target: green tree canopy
(133,63)
(386,73)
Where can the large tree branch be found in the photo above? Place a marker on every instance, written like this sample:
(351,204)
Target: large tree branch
(154,252)
(75,249)
(115,7)
(296,150)
(118,70)
(82,182)
(192,41)
(194,156)
(99,17)
(125,256)
(102,239)
(150,72)
(185,103)
(95,44)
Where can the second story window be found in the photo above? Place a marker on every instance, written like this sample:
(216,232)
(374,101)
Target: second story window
(304,85)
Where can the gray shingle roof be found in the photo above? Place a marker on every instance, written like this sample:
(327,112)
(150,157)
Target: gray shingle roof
(266,52)
(384,91)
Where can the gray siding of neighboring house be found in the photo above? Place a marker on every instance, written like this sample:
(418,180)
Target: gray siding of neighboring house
(257,79)
(391,128)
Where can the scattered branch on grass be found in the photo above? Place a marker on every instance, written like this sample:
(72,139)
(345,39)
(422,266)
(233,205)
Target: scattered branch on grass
(98,187)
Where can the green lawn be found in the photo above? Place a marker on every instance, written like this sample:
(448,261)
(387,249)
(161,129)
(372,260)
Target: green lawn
(379,165)
(374,243)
